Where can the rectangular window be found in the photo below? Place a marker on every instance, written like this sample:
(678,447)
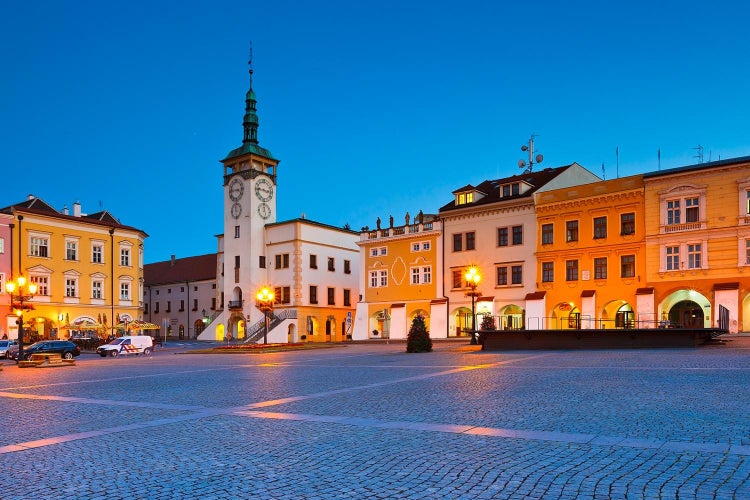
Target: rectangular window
(169,306)
(571,230)
(502,236)
(518,235)
(506,190)
(71,250)
(600,268)
(182,305)
(2,245)
(692,212)
(627,266)
(457,278)
(262,261)
(547,234)
(502,276)
(195,304)
(96,289)
(125,291)
(70,287)
(694,256)
(373,252)
(156,307)
(313,294)
(331,264)
(600,227)
(97,252)
(282,295)
(347,267)
(373,279)
(383,278)
(282,261)
(425,245)
(236,231)
(347,298)
(673,258)
(470,240)
(571,270)
(415,247)
(458,242)
(39,247)
(747,252)
(383,251)
(673,212)
(415,275)
(516,276)
(627,223)
(236,265)
(427,274)
(331,296)
(548,272)
(313,261)
(124,256)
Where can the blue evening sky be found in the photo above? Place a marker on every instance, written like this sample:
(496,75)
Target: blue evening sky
(373,107)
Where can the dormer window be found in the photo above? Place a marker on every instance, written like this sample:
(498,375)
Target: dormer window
(464,198)
(511,189)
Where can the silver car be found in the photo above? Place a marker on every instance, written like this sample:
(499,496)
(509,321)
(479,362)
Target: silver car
(5,345)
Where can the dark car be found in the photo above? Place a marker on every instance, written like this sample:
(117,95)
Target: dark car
(65,348)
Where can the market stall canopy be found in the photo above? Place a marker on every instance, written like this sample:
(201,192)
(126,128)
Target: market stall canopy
(83,324)
(136,325)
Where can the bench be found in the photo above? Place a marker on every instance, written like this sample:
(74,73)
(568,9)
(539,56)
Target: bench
(40,360)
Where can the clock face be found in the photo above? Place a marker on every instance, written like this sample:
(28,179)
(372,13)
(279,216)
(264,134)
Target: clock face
(236,188)
(236,210)
(263,190)
(264,210)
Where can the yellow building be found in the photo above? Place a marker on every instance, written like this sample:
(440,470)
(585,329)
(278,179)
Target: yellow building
(591,256)
(401,277)
(698,244)
(79,262)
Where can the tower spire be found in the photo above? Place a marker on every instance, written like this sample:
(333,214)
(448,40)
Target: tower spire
(250,122)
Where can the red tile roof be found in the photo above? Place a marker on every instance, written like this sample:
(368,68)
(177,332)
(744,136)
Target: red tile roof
(198,268)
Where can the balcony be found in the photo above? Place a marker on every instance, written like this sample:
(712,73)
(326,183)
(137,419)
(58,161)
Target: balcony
(235,304)
(687,226)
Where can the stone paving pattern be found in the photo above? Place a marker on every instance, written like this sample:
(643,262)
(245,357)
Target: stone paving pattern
(371,421)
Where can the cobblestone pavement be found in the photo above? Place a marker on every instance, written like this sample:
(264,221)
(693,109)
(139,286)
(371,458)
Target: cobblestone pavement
(371,421)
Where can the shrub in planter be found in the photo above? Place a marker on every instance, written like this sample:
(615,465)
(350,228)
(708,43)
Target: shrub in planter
(418,339)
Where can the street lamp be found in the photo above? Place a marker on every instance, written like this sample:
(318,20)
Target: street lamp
(19,302)
(265,303)
(472,278)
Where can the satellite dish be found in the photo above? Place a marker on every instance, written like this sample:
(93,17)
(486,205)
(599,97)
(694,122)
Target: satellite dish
(521,163)
(524,148)
(539,158)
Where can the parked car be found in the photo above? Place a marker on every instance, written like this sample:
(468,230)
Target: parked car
(131,344)
(64,348)
(5,345)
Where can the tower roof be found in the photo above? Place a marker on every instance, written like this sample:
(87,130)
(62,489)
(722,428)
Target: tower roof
(250,124)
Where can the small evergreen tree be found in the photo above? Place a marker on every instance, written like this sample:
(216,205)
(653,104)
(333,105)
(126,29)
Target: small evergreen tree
(418,339)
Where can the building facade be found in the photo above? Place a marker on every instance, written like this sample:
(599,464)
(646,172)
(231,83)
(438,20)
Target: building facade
(86,267)
(492,227)
(401,278)
(698,244)
(257,251)
(180,295)
(590,253)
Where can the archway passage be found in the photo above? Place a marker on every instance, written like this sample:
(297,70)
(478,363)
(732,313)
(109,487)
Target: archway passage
(463,321)
(511,317)
(686,314)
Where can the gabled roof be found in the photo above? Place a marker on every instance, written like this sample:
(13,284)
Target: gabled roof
(492,187)
(38,206)
(198,268)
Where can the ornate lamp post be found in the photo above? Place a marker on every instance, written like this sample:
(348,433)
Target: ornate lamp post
(24,292)
(472,278)
(265,303)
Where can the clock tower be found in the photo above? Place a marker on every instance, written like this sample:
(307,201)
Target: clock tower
(249,204)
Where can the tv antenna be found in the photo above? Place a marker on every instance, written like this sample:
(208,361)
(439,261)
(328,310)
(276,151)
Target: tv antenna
(532,159)
(699,148)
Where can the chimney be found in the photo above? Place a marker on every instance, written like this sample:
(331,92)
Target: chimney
(76,209)
(30,197)
(65,210)
(171,264)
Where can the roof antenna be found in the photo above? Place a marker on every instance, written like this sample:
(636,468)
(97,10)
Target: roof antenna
(699,148)
(532,159)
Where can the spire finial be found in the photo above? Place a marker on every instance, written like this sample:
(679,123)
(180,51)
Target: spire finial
(250,123)
(250,64)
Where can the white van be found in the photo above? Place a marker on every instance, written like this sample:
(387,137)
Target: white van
(132,344)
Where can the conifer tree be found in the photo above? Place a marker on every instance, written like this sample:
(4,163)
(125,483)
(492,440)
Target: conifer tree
(418,339)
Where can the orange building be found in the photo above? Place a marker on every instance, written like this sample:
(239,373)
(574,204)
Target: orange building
(401,276)
(698,244)
(590,256)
